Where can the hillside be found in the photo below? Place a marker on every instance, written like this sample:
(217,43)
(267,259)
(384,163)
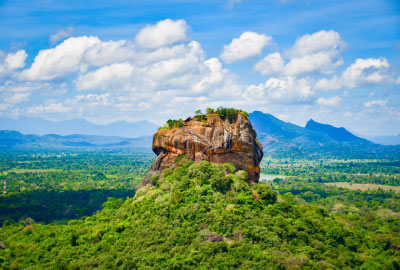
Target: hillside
(338,134)
(202,216)
(279,139)
(78,126)
(283,139)
(10,140)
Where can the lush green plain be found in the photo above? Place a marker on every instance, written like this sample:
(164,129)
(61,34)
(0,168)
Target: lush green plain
(204,215)
(54,186)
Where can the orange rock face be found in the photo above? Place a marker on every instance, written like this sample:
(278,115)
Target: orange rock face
(215,140)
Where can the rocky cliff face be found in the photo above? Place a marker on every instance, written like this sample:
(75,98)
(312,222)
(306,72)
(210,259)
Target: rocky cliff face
(213,139)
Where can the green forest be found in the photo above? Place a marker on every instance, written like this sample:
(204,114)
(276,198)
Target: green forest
(80,210)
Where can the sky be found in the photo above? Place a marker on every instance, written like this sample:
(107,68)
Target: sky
(337,62)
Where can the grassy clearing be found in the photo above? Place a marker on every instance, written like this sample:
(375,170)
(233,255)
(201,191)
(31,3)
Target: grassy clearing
(32,170)
(363,187)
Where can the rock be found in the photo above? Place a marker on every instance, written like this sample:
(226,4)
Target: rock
(213,139)
(213,238)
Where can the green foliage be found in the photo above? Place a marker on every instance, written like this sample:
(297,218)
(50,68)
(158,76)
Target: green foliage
(265,194)
(209,110)
(230,113)
(205,216)
(154,178)
(173,124)
(221,184)
(198,112)
(54,186)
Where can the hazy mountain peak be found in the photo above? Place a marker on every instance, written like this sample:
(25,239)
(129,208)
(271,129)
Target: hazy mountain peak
(78,126)
(339,134)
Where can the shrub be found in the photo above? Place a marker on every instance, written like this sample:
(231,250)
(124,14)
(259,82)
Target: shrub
(173,124)
(154,178)
(221,184)
(209,110)
(230,113)
(265,194)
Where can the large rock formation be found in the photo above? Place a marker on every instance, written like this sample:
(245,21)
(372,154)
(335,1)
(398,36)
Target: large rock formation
(213,139)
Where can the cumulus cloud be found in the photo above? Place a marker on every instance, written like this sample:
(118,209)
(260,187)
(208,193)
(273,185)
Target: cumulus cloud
(272,64)
(164,33)
(164,75)
(333,101)
(318,52)
(371,70)
(61,60)
(16,60)
(108,52)
(12,61)
(285,90)
(249,44)
(63,33)
(377,102)
(361,72)
(105,78)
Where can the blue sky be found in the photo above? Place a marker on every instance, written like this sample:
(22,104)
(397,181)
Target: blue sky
(334,61)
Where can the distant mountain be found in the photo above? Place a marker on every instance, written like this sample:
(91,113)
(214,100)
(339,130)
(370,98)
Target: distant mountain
(78,126)
(386,140)
(283,139)
(10,139)
(339,134)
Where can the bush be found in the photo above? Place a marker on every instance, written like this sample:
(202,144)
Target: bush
(173,124)
(154,178)
(209,110)
(230,113)
(265,194)
(221,184)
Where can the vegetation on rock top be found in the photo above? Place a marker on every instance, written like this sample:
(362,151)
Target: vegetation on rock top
(224,113)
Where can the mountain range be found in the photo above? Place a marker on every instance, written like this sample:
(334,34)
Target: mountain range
(279,138)
(10,139)
(285,139)
(41,126)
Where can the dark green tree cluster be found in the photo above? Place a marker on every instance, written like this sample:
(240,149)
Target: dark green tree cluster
(173,124)
(205,216)
(230,113)
(60,186)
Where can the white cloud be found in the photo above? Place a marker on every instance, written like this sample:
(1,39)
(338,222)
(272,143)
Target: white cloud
(317,52)
(17,98)
(371,70)
(105,78)
(362,71)
(271,64)
(333,101)
(317,42)
(63,33)
(249,44)
(108,52)
(377,102)
(129,80)
(61,60)
(16,60)
(11,62)
(285,90)
(164,33)
(328,84)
